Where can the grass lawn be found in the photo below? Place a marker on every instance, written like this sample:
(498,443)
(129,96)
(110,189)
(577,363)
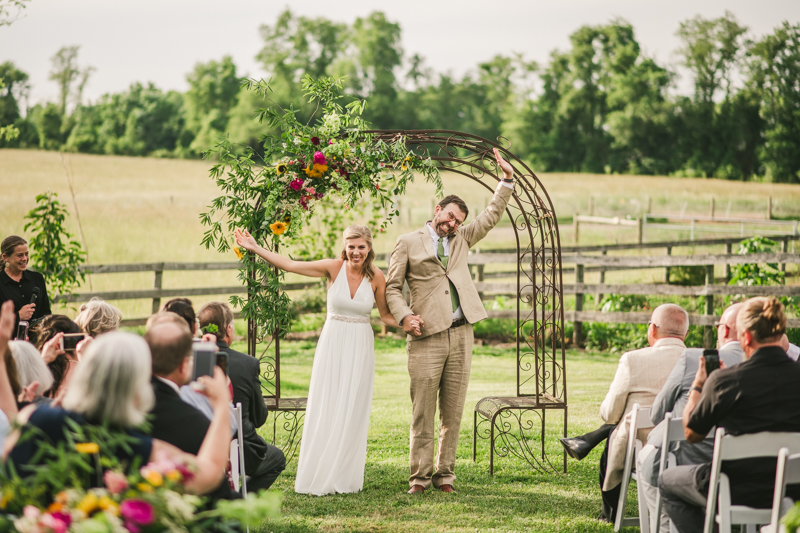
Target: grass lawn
(515,499)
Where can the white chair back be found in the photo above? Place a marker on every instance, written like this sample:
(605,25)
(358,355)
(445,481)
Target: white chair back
(640,419)
(788,473)
(673,432)
(729,448)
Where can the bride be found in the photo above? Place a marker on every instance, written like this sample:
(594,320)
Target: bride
(333,450)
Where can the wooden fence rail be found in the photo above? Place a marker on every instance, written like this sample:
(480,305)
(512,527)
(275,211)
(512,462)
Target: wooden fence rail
(489,290)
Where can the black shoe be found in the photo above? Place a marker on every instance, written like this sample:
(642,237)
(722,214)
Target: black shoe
(576,447)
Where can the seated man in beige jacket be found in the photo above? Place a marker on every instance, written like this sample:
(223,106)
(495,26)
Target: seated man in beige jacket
(640,376)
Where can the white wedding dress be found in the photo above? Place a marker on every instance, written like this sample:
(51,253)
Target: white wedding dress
(333,450)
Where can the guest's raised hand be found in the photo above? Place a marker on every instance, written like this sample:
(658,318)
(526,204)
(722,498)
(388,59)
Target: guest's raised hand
(504,165)
(216,388)
(209,337)
(80,349)
(28,393)
(245,240)
(6,323)
(701,376)
(52,348)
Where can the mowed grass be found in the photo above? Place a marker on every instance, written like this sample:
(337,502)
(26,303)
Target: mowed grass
(516,498)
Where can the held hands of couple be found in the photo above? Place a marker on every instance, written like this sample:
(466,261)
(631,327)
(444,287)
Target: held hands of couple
(413,324)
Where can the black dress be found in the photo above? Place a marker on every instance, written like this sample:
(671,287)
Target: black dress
(21,292)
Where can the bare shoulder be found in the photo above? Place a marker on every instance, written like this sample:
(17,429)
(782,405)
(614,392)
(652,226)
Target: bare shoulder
(333,266)
(378,279)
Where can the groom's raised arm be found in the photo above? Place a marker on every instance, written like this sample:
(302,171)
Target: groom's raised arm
(398,263)
(489,217)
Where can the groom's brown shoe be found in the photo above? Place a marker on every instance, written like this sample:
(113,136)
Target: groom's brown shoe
(447,488)
(416,489)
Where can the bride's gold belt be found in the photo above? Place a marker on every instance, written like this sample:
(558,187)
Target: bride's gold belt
(347,318)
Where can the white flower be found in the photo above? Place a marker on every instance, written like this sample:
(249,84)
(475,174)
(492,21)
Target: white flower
(179,506)
(297,140)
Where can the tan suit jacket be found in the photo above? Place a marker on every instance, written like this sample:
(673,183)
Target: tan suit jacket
(414,260)
(640,376)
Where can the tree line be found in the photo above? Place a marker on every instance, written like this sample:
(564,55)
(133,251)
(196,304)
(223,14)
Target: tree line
(601,106)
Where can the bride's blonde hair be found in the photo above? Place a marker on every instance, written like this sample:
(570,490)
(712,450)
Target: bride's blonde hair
(357,231)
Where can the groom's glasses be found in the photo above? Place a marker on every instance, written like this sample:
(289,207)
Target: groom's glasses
(452,218)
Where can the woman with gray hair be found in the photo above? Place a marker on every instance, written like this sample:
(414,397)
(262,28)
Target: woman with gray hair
(112,386)
(97,316)
(31,368)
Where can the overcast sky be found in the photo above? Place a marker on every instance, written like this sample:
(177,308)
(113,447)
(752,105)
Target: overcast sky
(161,40)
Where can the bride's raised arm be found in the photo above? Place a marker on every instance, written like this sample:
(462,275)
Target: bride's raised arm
(324,268)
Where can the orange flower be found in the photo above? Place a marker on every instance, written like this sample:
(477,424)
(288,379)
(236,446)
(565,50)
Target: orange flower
(238,252)
(278,228)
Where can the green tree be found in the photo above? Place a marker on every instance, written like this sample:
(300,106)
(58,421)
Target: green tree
(775,71)
(10,10)
(213,93)
(70,77)
(54,253)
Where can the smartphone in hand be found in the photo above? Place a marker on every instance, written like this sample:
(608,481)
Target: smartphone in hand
(70,341)
(22,331)
(205,359)
(712,360)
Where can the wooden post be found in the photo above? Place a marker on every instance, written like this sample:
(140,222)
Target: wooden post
(711,208)
(639,228)
(708,337)
(784,249)
(575,227)
(728,250)
(577,331)
(769,207)
(666,269)
(649,203)
(602,280)
(591,205)
(157,285)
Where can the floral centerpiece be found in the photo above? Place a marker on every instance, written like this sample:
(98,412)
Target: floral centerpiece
(332,154)
(79,487)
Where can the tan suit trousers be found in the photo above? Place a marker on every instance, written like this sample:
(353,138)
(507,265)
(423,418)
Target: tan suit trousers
(439,365)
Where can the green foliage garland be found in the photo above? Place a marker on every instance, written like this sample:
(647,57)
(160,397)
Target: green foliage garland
(304,164)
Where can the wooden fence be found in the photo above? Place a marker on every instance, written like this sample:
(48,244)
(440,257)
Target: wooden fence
(478,260)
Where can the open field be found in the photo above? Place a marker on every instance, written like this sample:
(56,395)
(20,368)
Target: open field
(143,209)
(515,499)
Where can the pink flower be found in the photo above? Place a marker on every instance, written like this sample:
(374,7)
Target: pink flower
(319,196)
(315,141)
(136,513)
(56,522)
(304,202)
(296,184)
(311,190)
(115,482)
(330,141)
(29,511)
(319,158)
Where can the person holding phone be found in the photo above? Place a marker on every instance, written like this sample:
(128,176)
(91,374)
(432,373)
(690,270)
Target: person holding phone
(60,354)
(26,288)
(759,394)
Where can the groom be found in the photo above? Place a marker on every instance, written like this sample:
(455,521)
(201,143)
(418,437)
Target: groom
(433,260)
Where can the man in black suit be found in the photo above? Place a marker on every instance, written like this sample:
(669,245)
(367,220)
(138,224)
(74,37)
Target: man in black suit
(263,462)
(174,420)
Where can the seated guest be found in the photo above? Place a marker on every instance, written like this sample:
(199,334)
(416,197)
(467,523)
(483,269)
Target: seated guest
(97,316)
(640,376)
(174,420)
(183,308)
(263,462)
(188,394)
(759,394)
(112,387)
(31,368)
(47,336)
(792,350)
(19,284)
(8,402)
(672,398)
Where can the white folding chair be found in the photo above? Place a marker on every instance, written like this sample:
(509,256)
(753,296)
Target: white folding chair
(640,418)
(237,454)
(730,448)
(788,473)
(673,432)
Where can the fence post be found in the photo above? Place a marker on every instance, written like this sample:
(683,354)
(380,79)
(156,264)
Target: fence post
(708,336)
(591,205)
(711,207)
(728,250)
(575,227)
(784,249)
(644,226)
(601,281)
(769,207)
(577,331)
(639,230)
(157,285)
(666,269)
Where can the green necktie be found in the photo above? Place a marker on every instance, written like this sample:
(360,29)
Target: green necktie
(443,258)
